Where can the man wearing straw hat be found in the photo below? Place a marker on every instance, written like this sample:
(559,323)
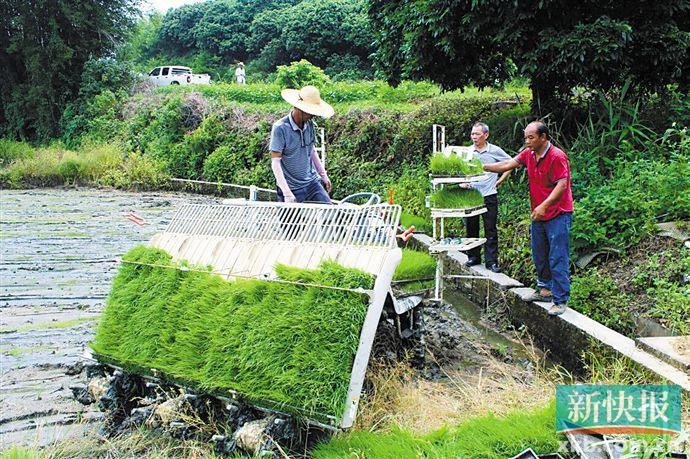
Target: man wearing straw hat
(299,174)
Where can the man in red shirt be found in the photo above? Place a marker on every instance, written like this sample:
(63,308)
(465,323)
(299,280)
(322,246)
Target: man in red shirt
(552,212)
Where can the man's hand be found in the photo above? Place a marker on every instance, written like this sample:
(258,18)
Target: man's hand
(326,182)
(498,182)
(539,212)
(290,199)
(407,234)
(465,186)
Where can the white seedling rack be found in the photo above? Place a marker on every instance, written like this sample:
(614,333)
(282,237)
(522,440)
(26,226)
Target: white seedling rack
(438,216)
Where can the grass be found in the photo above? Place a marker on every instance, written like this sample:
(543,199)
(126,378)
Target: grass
(140,443)
(415,264)
(11,151)
(287,344)
(456,199)
(441,164)
(99,165)
(19,452)
(483,437)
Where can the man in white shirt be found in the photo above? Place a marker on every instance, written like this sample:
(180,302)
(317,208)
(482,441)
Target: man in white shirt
(487,154)
(239,73)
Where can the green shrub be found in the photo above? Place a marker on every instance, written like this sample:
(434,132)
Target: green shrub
(622,211)
(661,278)
(457,111)
(445,198)
(410,189)
(507,127)
(41,169)
(99,164)
(186,159)
(11,150)
(71,170)
(243,159)
(287,344)
(299,74)
(599,297)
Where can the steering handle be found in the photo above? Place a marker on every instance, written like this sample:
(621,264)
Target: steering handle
(373,198)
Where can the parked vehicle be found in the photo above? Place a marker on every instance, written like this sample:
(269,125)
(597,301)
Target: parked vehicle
(173,75)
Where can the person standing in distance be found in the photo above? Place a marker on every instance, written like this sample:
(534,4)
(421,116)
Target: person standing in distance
(240,74)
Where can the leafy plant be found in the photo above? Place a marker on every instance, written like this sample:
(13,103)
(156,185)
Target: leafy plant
(299,74)
(598,297)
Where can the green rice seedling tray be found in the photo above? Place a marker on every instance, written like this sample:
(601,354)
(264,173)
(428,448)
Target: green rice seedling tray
(446,198)
(276,302)
(457,161)
(457,213)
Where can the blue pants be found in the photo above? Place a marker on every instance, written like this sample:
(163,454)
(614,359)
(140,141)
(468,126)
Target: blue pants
(314,192)
(550,242)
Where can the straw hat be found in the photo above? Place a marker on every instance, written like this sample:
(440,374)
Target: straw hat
(308,99)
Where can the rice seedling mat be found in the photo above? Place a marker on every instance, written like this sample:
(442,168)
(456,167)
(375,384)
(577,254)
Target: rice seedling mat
(227,396)
(252,240)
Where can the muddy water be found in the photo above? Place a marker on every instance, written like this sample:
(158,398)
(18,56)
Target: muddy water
(58,251)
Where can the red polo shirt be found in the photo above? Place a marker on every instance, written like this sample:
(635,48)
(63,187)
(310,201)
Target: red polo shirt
(543,174)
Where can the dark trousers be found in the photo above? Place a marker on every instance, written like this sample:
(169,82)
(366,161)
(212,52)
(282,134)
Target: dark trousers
(314,192)
(550,241)
(490,218)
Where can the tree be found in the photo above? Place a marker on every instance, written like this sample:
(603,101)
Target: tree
(214,27)
(558,44)
(45,44)
(322,31)
(177,31)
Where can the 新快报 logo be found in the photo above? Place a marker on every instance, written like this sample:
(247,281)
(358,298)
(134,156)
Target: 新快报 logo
(618,409)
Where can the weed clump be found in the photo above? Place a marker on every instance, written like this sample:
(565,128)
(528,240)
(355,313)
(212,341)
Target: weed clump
(454,165)
(456,199)
(280,344)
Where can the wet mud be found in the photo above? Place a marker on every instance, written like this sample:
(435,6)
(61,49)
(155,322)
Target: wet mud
(58,254)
